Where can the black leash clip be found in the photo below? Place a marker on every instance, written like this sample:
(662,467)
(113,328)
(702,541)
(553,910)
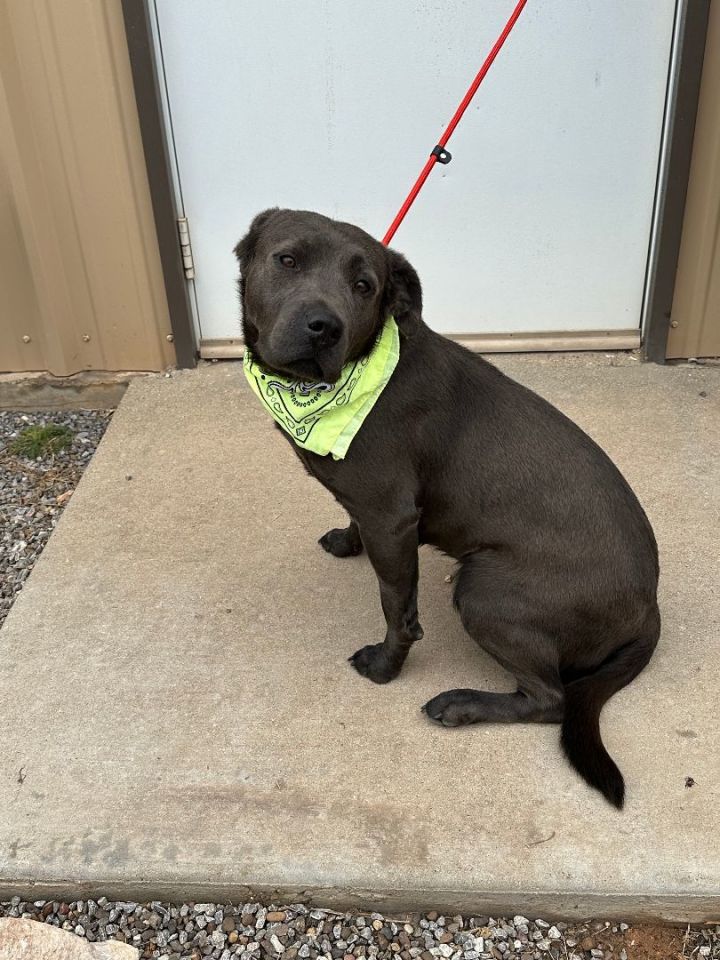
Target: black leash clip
(443,155)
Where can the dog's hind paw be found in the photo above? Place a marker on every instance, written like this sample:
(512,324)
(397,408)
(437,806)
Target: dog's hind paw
(456,708)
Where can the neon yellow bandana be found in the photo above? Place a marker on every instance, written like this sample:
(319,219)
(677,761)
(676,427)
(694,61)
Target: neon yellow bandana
(324,417)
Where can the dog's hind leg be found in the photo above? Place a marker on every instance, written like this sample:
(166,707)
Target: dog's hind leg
(501,625)
(342,542)
(531,703)
(496,606)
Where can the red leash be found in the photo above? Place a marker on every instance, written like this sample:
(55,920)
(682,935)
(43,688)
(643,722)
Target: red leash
(439,154)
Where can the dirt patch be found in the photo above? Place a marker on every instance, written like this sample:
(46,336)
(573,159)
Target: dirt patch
(657,942)
(654,943)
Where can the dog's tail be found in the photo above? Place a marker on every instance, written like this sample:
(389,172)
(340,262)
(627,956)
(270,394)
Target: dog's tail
(584,699)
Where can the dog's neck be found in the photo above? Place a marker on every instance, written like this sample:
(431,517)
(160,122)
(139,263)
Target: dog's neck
(324,418)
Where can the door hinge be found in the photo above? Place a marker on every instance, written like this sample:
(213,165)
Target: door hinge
(185,248)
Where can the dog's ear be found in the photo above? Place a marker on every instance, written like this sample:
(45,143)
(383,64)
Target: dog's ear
(403,293)
(246,247)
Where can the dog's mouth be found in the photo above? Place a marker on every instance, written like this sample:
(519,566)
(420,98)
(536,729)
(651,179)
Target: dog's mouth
(307,368)
(317,369)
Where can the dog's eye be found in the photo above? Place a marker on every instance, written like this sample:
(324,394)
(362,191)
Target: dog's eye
(362,286)
(287,261)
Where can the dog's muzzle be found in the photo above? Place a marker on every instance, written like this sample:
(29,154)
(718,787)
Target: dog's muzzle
(311,344)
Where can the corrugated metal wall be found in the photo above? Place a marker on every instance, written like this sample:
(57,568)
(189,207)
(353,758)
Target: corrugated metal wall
(80,277)
(695,329)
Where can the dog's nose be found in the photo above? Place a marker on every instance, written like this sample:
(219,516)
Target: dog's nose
(324,328)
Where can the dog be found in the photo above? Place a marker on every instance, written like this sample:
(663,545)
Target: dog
(558,564)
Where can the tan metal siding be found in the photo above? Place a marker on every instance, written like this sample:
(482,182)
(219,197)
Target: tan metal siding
(695,328)
(19,309)
(83,278)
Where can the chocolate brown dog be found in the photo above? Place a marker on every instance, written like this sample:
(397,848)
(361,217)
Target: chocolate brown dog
(558,566)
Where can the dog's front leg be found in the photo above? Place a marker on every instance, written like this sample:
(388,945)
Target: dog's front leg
(393,550)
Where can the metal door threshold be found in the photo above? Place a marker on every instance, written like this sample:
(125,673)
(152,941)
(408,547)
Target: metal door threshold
(232,349)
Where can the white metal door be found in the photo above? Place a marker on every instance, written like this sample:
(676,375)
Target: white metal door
(541,223)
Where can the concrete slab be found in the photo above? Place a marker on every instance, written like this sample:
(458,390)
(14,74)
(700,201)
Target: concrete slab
(179,719)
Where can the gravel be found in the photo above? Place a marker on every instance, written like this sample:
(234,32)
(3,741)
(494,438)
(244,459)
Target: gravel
(253,931)
(33,493)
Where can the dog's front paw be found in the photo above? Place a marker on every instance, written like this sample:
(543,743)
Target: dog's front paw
(341,543)
(372,663)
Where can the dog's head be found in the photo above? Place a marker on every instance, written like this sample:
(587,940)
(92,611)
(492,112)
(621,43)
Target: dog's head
(316,291)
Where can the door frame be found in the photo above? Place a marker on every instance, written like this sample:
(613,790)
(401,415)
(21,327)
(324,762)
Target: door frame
(681,102)
(681,105)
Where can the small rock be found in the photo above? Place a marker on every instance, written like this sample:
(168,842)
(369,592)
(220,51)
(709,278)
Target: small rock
(32,940)
(275,916)
(554,933)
